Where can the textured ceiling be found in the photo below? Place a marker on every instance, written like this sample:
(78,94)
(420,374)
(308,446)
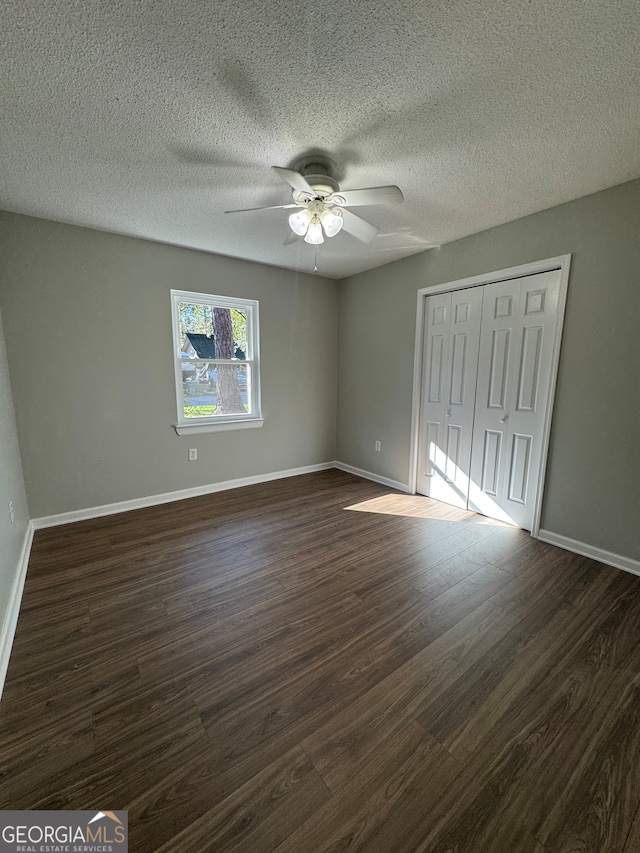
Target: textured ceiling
(153,118)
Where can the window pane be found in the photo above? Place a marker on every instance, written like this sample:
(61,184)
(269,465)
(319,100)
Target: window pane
(216,343)
(209,331)
(215,389)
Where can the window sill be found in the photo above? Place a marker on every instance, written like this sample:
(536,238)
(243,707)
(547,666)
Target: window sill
(194,429)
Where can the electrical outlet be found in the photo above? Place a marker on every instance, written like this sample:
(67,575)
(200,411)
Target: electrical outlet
(193,454)
(378,446)
(11,513)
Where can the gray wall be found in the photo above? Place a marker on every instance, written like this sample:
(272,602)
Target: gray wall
(88,329)
(12,536)
(592,489)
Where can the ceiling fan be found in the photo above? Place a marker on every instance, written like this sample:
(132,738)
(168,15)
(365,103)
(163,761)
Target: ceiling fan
(321,206)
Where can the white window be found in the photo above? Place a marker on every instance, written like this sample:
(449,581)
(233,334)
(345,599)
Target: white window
(215,343)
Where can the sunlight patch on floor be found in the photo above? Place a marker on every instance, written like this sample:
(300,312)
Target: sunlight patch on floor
(417,506)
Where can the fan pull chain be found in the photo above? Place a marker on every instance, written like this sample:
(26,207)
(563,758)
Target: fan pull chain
(315,259)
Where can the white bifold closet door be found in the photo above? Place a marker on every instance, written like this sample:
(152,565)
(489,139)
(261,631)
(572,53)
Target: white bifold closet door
(450,359)
(486,453)
(514,376)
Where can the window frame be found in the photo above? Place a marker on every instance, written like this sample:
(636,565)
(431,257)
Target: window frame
(254,418)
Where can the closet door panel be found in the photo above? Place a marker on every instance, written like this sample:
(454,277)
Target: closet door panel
(519,467)
(491,433)
(491,456)
(514,371)
(432,436)
(529,377)
(458,368)
(450,359)
(436,365)
(466,311)
(530,392)
(499,368)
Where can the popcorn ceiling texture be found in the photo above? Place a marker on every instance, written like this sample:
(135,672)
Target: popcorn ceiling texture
(153,118)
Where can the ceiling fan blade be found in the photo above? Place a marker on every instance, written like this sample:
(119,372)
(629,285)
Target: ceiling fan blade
(358,227)
(274,207)
(294,179)
(369,195)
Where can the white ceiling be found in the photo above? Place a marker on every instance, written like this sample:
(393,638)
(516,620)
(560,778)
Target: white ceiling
(153,118)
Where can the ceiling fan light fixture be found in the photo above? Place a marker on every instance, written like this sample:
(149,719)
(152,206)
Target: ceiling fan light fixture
(321,208)
(300,221)
(331,222)
(314,233)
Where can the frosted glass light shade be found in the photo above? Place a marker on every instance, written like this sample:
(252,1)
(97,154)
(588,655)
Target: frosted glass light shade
(299,221)
(331,222)
(314,233)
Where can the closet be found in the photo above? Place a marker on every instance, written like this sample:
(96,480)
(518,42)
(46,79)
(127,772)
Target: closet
(487,364)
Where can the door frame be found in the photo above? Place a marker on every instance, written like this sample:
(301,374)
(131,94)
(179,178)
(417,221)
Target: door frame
(561,263)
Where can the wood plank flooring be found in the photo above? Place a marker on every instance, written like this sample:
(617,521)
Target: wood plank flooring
(321,664)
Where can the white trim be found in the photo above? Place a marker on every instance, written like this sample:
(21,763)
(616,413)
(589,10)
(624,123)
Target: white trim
(610,559)
(533,268)
(168,497)
(561,263)
(196,428)
(239,302)
(8,627)
(369,475)
(565,263)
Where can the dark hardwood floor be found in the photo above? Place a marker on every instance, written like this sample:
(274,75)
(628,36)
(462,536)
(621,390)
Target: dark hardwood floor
(321,664)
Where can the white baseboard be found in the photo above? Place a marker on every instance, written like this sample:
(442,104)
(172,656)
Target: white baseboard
(368,475)
(615,560)
(168,497)
(8,627)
